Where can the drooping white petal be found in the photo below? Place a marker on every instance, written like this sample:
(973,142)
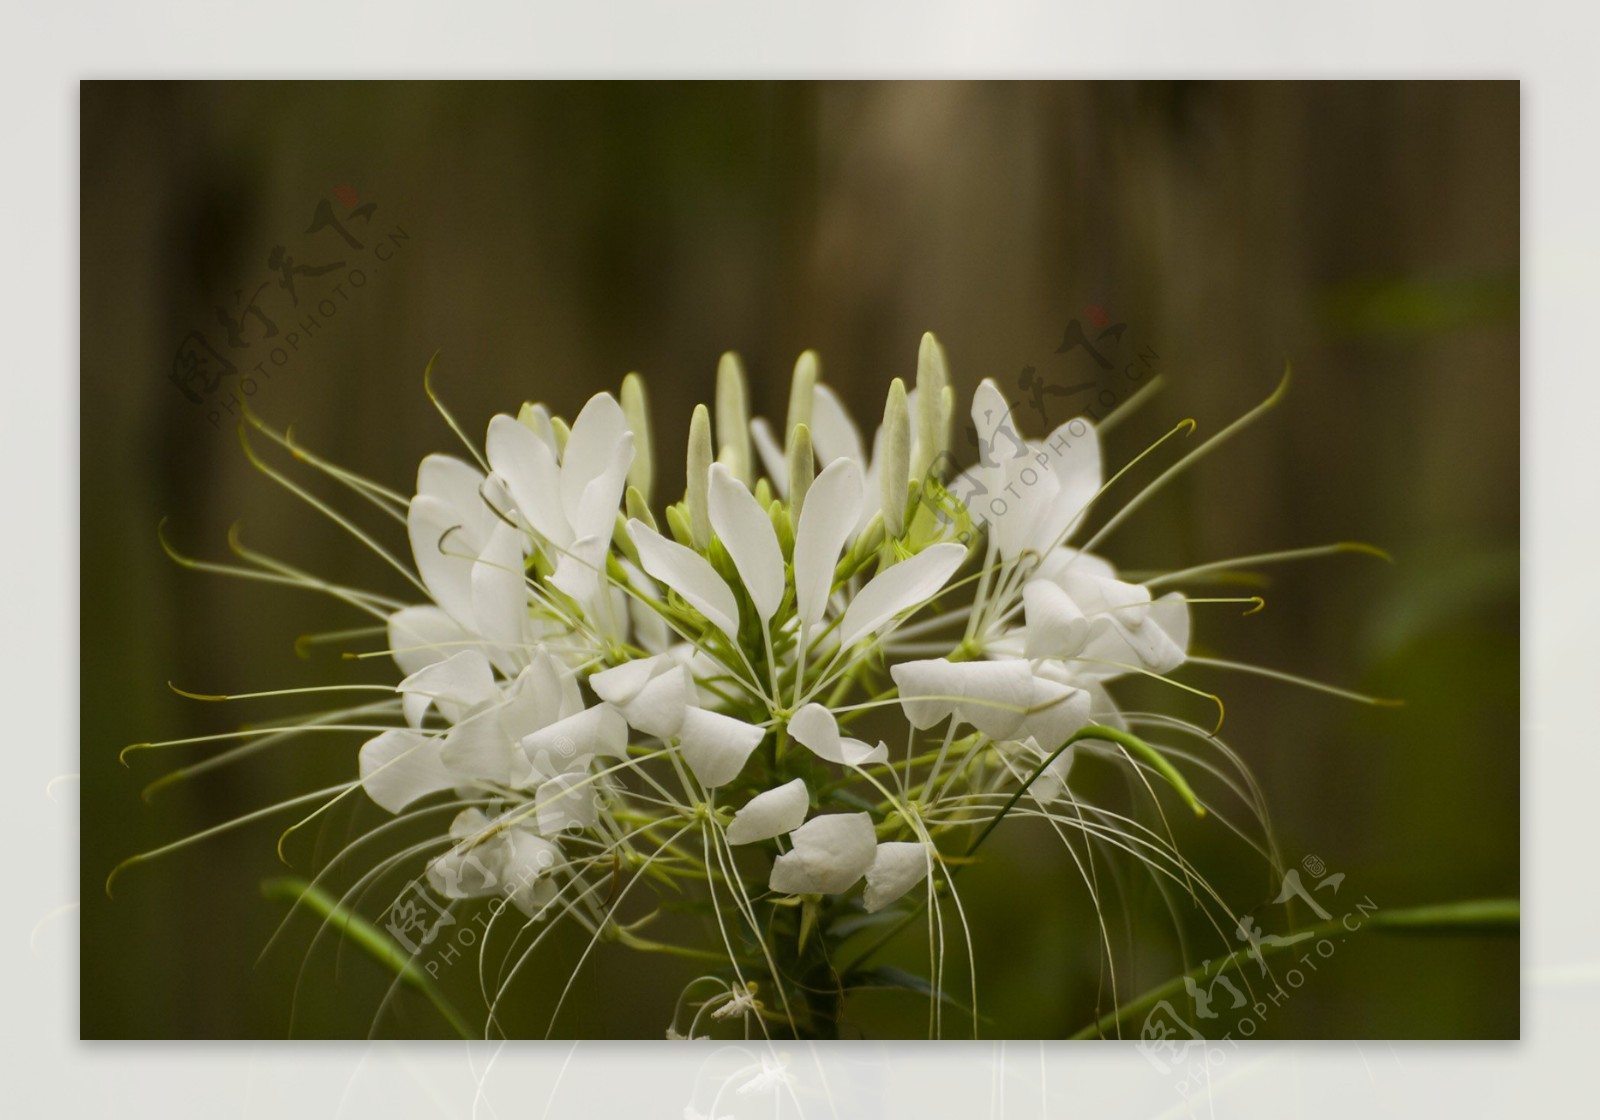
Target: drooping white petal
(992,696)
(1058,710)
(1171,614)
(830,854)
(827,521)
(1153,637)
(815,728)
(455,685)
(716,746)
(1053,779)
(567,743)
(652,693)
(661,705)
(770,814)
(622,683)
(422,636)
(897,866)
(1057,626)
(690,575)
(746,532)
(400,766)
(528,466)
(906,585)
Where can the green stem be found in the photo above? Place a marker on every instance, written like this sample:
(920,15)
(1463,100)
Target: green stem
(1130,743)
(1479,916)
(369,938)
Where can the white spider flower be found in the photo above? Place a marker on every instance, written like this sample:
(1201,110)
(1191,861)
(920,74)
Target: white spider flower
(774,701)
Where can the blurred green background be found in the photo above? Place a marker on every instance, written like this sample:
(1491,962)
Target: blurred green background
(548,238)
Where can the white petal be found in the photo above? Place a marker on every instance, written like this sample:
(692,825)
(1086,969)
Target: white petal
(1029,494)
(833,434)
(997,436)
(468,871)
(992,696)
(479,749)
(529,469)
(567,802)
(815,728)
(1155,638)
(542,693)
(566,743)
(898,866)
(830,853)
(652,693)
(443,553)
(746,532)
(422,636)
(455,685)
(716,746)
(650,629)
(1171,614)
(906,585)
(591,451)
(770,814)
(690,575)
(773,460)
(579,565)
(468,823)
(1072,455)
(529,860)
(827,521)
(1053,779)
(661,705)
(621,684)
(400,766)
(1059,711)
(500,597)
(1057,626)
(597,507)
(456,483)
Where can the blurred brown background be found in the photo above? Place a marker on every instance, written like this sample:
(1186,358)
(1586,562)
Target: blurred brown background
(548,238)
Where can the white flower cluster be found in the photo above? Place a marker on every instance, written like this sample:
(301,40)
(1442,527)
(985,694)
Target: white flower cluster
(592,683)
